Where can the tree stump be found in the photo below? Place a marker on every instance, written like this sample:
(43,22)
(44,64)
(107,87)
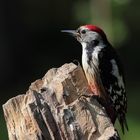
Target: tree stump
(54,108)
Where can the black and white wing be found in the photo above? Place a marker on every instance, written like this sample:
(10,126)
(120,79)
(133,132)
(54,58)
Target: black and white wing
(113,81)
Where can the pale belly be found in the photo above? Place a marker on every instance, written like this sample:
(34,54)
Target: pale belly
(90,74)
(91,71)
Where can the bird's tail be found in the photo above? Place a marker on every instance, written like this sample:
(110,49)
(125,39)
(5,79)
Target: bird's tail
(123,122)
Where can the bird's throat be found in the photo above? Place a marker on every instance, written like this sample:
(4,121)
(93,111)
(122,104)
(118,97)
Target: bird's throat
(91,66)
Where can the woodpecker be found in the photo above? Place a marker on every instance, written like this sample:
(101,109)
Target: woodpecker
(103,70)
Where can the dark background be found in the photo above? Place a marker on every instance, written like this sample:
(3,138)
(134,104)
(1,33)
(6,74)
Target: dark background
(31,43)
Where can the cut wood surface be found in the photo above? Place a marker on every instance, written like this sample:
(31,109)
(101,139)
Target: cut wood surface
(54,108)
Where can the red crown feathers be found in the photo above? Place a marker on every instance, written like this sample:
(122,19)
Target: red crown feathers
(96,29)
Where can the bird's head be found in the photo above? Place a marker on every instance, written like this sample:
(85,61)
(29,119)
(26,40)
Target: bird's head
(88,33)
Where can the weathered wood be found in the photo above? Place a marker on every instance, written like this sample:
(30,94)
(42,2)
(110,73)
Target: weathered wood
(53,109)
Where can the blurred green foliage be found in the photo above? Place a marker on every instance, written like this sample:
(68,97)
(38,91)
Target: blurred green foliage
(106,14)
(3,130)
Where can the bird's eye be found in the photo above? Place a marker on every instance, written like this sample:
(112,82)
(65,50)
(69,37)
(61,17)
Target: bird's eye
(83,31)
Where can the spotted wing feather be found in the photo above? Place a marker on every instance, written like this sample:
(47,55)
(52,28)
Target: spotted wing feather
(111,74)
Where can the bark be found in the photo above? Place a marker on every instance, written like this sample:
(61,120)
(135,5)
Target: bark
(54,108)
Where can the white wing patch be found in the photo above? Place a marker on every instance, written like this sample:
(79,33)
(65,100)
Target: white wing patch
(115,72)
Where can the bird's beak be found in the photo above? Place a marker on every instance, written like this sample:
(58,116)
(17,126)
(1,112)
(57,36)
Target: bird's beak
(71,32)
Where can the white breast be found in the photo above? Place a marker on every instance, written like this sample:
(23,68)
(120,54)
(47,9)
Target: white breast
(85,56)
(90,69)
